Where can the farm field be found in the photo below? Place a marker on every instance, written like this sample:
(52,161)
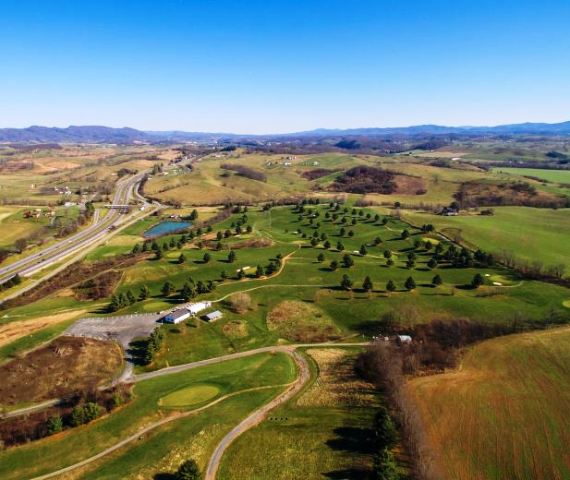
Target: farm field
(555,176)
(503,414)
(529,233)
(159,451)
(324,432)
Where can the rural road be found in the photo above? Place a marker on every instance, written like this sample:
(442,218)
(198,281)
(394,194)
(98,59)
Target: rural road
(252,420)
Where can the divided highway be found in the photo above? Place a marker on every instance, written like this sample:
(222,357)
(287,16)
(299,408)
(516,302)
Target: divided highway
(125,190)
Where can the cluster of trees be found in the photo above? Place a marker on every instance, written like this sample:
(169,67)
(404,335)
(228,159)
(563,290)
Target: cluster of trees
(364,179)
(152,346)
(244,171)
(11,282)
(318,173)
(532,270)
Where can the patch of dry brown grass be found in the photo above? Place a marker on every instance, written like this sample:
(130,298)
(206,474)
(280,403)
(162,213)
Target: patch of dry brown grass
(337,383)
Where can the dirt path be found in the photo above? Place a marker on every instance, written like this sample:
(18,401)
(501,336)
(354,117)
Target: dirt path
(258,416)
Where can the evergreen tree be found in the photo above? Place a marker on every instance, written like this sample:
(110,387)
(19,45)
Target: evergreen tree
(321,257)
(207,257)
(167,289)
(259,271)
(188,471)
(363,250)
(390,286)
(232,256)
(181,259)
(334,265)
(436,280)
(367,285)
(410,283)
(346,282)
(347,261)
(54,424)
(477,280)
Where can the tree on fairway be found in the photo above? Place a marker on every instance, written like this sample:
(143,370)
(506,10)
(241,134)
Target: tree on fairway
(158,254)
(144,293)
(390,286)
(188,471)
(410,283)
(334,265)
(223,275)
(321,257)
(259,272)
(387,254)
(351,233)
(410,264)
(347,260)
(436,280)
(405,234)
(327,244)
(340,246)
(377,241)
(181,258)
(346,282)
(367,285)
(167,289)
(232,256)
(207,257)
(477,280)
(187,292)
(432,263)
(363,251)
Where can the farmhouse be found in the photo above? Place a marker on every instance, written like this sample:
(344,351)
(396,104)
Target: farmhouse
(404,338)
(176,316)
(214,316)
(195,308)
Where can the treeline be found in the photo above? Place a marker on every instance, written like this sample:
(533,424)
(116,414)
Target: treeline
(244,171)
(533,270)
(435,347)
(318,173)
(144,351)
(76,410)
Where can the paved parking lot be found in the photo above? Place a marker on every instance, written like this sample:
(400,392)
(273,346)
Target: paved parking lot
(122,329)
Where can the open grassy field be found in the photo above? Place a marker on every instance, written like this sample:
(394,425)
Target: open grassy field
(529,233)
(555,176)
(209,183)
(322,433)
(503,414)
(163,449)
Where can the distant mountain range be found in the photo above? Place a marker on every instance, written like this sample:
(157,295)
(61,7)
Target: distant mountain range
(100,134)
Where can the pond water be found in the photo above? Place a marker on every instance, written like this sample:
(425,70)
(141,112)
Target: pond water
(165,227)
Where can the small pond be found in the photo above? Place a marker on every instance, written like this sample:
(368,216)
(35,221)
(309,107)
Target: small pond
(163,228)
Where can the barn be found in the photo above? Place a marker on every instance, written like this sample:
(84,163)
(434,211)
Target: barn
(196,308)
(214,316)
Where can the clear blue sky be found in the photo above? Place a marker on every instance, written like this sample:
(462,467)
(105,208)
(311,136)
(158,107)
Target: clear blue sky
(279,66)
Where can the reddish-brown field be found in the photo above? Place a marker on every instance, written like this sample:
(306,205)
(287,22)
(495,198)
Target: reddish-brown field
(504,413)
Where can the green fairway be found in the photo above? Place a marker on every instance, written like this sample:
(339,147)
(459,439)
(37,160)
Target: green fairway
(529,233)
(160,450)
(189,396)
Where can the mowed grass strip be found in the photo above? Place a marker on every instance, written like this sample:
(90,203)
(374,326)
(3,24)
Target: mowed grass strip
(504,414)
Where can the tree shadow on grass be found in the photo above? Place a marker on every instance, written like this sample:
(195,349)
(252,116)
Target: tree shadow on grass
(353,440)
(349,473)
(164,476)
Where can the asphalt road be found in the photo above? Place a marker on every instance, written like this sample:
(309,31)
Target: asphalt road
(63,248)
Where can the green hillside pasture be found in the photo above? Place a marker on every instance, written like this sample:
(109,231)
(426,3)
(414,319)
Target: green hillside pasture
(161,450)
(504,414)
(323,433)
(554,176)
(529,233)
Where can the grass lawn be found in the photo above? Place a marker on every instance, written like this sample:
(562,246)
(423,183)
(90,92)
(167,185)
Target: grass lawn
(530,233)
(322,433)
(163,449)
(503,414)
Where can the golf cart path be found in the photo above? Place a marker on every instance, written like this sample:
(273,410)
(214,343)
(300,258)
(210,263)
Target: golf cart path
(253,419)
